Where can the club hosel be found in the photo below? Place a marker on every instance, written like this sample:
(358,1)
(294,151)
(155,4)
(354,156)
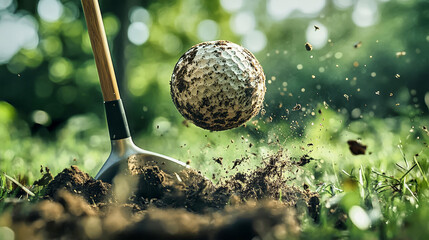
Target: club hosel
(116,120)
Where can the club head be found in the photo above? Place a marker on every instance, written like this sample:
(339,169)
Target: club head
(124,150)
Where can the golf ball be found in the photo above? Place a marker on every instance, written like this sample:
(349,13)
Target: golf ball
(218,85)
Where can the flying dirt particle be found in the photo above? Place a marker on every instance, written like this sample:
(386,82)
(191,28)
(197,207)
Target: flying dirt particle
(218,160)
(19,75)
(232,141)
(397,76)
(325,104)
(377,93)
(188,162)
(356,148)
(313,77)
(426,130)
(400,54)
(185,123)
(308,46)
(239,161)
(46,177)
(346,96)
(250,145)
(397,104)
(304,160)
(357,44)
(390,94)
(297,107)
(316,28)
(355,64)
(305,186)
(319,111)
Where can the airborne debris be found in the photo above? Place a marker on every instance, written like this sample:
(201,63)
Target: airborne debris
(308,46)
(397,75)
(304,160)
(357,44)
(218,160)
(346,96)
(46,177)
(239,161)
(297,107)
(356,148)
(426,130)
(316,28)
(185,123)
(401,53)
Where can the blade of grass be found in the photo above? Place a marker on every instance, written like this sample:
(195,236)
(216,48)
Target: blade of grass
(403,155)
(421,170)
(407,188)
(361,182)
(385,176)
(402,169)
(19,185)
(343,171)
(406,173)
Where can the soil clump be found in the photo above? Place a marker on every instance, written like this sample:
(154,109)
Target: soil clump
(185,205)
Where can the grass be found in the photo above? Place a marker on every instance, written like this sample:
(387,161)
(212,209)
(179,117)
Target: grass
(380,195)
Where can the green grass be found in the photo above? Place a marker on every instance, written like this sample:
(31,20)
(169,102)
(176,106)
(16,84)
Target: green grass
(380,195)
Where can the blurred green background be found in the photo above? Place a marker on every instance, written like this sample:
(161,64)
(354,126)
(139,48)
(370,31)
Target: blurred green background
(369,61)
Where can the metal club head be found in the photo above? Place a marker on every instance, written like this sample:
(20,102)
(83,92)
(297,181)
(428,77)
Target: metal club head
(125,152)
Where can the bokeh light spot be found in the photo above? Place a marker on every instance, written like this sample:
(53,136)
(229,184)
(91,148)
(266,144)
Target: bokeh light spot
(231,6)
(172,44)
(207,30)
(50,10)
(138,33)
(365,13)
(255,41)
(41,117)
(140,14)
(359,218)
(243,22)
(319,38)
(5,4)
(60,69)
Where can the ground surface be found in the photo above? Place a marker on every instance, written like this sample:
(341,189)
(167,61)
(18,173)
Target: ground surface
(151,204)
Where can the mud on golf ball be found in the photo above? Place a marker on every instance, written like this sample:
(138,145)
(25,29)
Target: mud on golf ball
(218,85)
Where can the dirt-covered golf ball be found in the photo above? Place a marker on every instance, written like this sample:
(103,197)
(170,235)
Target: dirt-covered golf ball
(218,85)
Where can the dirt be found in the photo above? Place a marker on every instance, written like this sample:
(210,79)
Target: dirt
(156,205)
(356,148)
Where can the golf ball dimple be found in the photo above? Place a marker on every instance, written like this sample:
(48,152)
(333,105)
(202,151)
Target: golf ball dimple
(218,85)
